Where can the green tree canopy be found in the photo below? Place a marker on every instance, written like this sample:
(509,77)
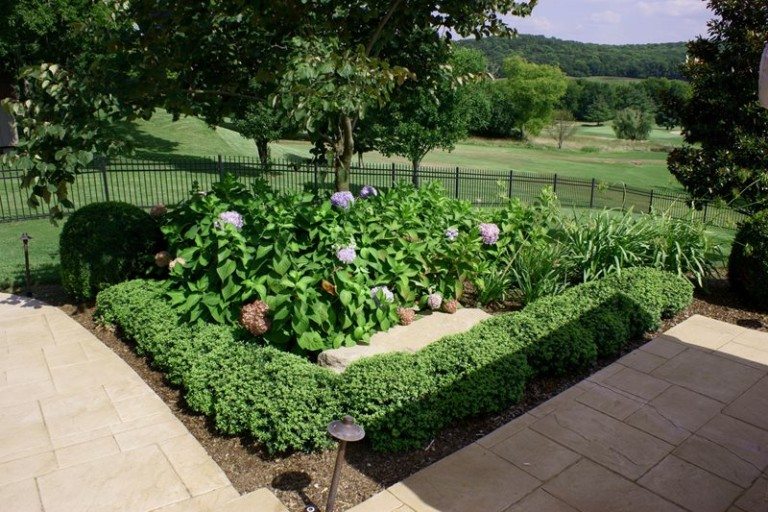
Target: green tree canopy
(723,115)
(327,61)
(524,100)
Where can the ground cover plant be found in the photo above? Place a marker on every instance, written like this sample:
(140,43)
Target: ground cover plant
(285,401)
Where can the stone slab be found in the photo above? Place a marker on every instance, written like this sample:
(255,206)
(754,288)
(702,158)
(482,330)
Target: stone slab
(411,338)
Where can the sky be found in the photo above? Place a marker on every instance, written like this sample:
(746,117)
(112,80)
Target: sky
(617,21)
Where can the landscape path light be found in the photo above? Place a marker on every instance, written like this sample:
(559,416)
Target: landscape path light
(25,238)
(346,431)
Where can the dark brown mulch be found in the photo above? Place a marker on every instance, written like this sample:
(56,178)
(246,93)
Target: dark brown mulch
(301,479)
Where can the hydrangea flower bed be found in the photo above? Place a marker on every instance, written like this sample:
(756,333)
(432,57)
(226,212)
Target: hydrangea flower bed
(331,273)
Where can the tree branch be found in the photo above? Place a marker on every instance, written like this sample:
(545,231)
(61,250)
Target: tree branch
(377,33)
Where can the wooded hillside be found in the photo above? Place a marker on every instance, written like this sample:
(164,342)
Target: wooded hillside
(587,59)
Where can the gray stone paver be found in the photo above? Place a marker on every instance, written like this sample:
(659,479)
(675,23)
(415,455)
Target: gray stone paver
(80,430)
(681,424)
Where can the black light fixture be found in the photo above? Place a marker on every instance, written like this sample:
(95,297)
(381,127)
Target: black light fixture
(25,238)
(345,431)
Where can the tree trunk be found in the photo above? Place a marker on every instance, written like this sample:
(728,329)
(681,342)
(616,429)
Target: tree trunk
(262,146)
(345,150)
(9,137)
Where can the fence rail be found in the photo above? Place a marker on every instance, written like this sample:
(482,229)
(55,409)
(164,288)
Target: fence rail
(148,182)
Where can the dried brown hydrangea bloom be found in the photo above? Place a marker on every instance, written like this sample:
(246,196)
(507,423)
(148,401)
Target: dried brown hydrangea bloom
(406,316)
(158,210)
(450,306)
(254,318)
(163,259)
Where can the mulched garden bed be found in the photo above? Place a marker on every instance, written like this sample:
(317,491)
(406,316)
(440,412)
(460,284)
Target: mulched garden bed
(303,479)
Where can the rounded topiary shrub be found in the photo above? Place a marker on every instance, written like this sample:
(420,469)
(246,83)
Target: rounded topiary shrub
(105,243)
(748,264)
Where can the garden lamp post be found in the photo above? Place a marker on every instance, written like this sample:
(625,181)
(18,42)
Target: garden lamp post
(25,238)
(346,431)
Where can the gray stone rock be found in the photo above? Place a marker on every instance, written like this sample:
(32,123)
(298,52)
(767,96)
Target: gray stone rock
(410,338)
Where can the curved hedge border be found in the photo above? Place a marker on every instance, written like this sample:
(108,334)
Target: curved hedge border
(286,402)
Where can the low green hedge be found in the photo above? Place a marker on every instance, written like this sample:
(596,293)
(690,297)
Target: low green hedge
(285,401)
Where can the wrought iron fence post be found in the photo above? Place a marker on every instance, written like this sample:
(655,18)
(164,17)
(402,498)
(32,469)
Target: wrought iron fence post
(624,197)
(650,203)
(457,182)
(316,179)
(220,167)
(394,178)
(554,183)
(102,165)
(706,207)
(511,180)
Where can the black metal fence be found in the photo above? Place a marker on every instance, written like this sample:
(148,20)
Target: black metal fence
(145,183)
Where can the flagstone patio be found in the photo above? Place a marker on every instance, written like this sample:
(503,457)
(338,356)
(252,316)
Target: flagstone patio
(80,431)
(679,424)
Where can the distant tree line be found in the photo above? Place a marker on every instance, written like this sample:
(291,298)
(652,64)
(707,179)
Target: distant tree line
(577,59)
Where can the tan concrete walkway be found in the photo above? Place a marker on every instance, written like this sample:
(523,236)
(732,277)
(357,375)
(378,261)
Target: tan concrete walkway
(679,424)
(81,432)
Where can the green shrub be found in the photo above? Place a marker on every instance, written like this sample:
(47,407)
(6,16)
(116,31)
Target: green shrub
(402,400)
(632,124)
(106,243)
(748,263)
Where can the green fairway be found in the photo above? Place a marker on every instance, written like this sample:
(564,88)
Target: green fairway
(593,153)
(43,253)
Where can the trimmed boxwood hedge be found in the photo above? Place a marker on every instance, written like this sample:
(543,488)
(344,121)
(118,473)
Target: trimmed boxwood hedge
(105,243)
(402,399)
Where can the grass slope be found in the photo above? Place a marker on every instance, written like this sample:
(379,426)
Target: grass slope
(634,164)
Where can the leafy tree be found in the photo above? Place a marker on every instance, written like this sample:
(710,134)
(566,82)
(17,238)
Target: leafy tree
(669,97)
(598,110)
(563,127)
(328,61)
(523,102)
(723,115)
(419,120)
(634,96)
(262,123)
(632,124)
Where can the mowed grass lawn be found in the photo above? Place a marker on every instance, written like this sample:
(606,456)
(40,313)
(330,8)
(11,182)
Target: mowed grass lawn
(593,153)
(43,253)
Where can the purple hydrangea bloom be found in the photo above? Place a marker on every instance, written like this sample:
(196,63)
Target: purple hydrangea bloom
(346,254)
(230,217)
(342,199)
(388,295)
(490,233)
(451,234)
(368,191)
(434,301)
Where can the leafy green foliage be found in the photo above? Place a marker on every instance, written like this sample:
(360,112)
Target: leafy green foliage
(106,243)
(285,255)
(402,400)
(62,124)
(526,98)
(748,264)
(587,59)
(606,243)
(632,124)
(723,115)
